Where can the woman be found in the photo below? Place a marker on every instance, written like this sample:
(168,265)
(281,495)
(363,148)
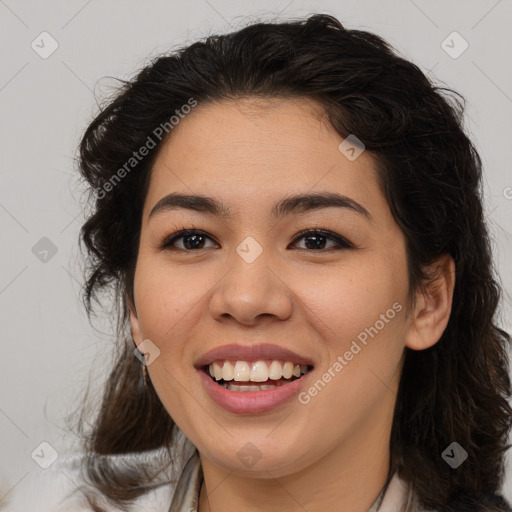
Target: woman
(291,219)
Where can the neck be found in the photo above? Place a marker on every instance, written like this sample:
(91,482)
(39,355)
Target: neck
(349,477)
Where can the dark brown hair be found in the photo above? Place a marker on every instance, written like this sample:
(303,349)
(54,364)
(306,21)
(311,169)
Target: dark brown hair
(430,173)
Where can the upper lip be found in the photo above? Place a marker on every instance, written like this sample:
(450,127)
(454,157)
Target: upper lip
(259,352)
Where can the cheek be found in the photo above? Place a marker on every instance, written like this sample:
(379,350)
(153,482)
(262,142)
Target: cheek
(358,314)
(167,304)
(343,301)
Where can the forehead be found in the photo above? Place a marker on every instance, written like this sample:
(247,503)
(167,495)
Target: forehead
(248,151)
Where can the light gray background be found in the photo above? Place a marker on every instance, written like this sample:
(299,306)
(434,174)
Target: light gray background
(47,344)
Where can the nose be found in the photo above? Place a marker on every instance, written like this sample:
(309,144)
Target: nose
(250,292)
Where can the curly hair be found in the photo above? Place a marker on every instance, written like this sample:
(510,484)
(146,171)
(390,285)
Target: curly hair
(431,175)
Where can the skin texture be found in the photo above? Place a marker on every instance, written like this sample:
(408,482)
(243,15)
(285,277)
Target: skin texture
(333,452)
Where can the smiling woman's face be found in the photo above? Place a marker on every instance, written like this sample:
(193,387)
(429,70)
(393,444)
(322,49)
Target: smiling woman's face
(248,279)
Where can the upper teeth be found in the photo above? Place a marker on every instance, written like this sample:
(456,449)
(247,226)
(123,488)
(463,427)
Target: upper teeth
(258,371)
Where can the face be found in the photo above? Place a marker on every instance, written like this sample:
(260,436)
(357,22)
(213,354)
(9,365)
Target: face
(335,296)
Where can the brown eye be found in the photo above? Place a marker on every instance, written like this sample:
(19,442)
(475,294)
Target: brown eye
(316,240)
(193,239)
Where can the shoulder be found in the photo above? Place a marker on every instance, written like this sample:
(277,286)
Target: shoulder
(61,487)
(400,497)
(52,489)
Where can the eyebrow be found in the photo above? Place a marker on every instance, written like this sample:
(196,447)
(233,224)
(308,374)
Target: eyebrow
(286,206)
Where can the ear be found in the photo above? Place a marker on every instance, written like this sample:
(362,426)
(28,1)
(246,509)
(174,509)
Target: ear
(433,307)
(134,321)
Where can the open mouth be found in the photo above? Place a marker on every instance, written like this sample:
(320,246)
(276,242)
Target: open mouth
(246,376)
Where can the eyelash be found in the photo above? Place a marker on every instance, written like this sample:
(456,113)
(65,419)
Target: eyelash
(184,232)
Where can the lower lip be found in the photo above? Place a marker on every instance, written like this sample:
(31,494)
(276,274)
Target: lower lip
(250,402)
